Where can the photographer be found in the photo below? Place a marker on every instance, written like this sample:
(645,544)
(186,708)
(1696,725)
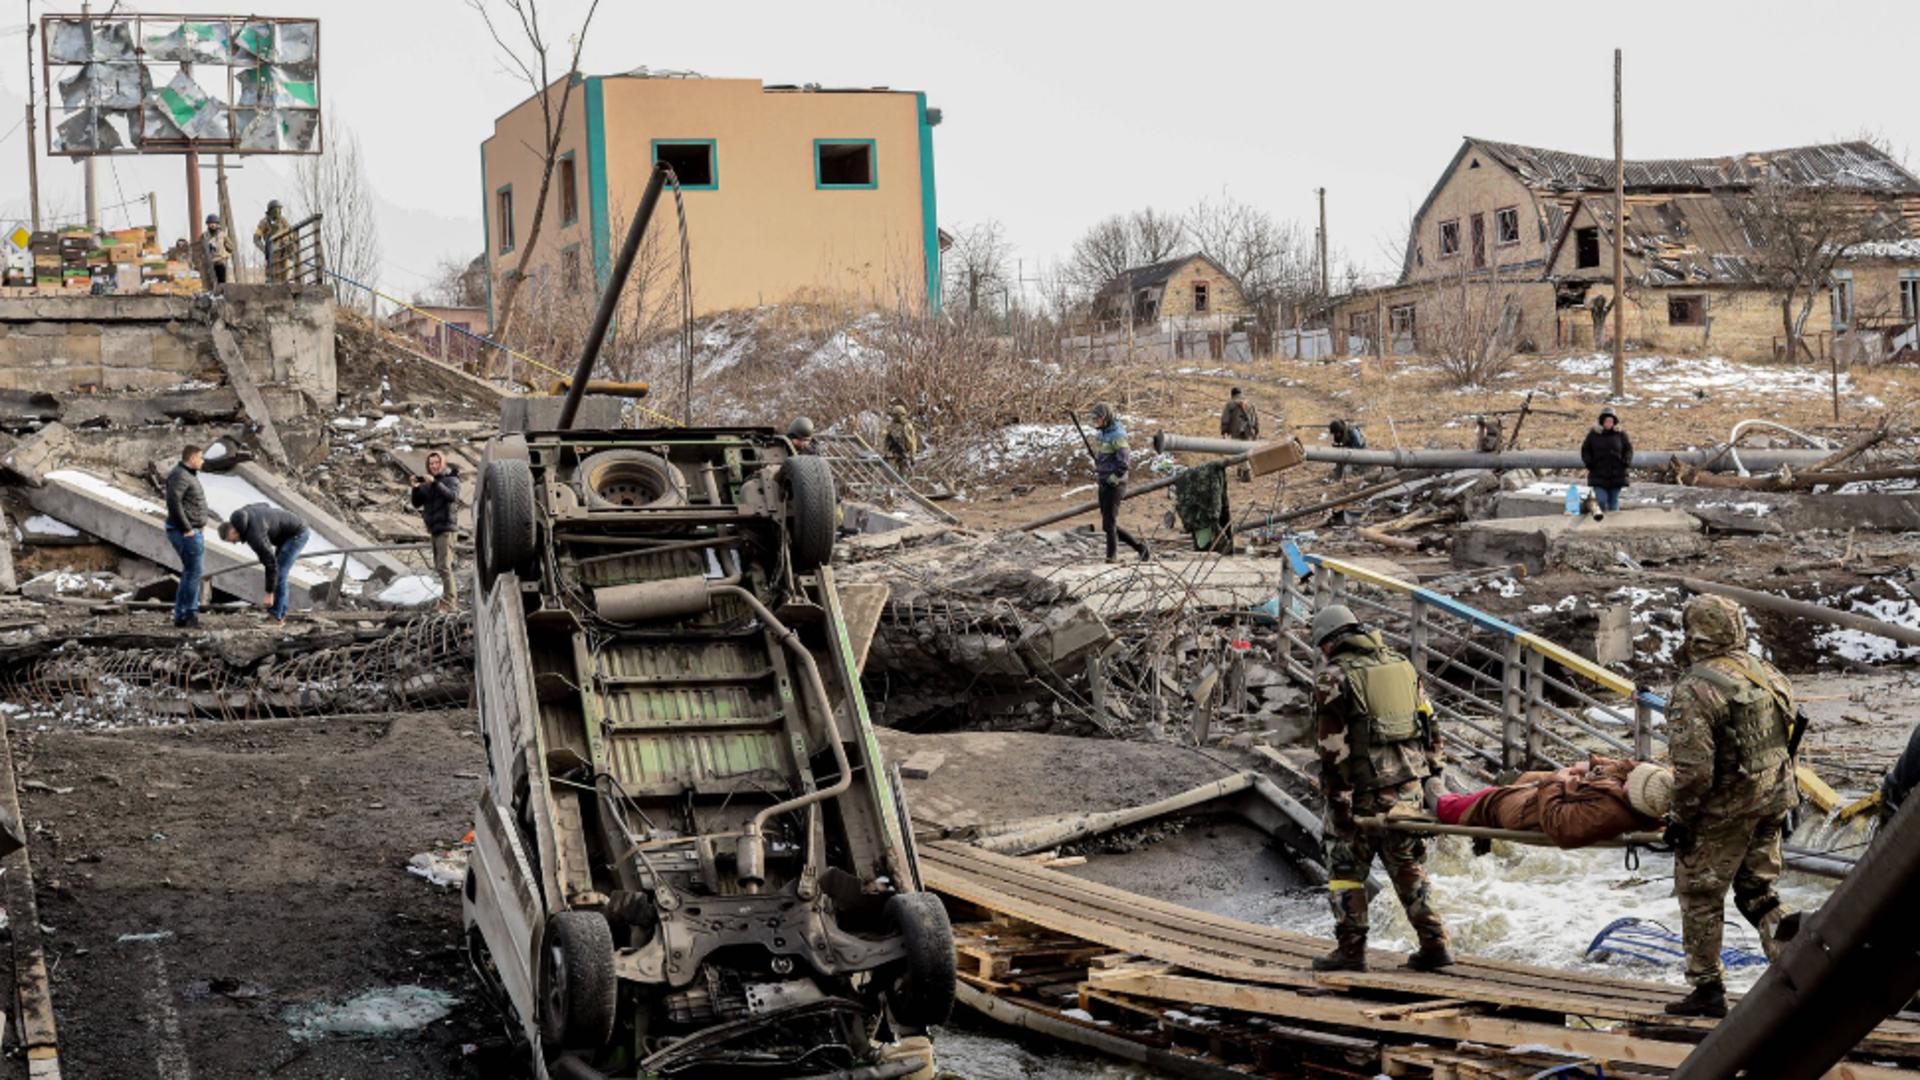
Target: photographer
(437,495)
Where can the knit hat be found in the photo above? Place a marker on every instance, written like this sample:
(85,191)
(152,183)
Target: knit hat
(1650,789)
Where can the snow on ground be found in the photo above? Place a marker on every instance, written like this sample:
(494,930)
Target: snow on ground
(1018,444)
(227,493)
(411,591)
(1866,648)
(1679,377)
(47,526)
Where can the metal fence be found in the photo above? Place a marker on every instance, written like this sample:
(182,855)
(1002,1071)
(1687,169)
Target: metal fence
(1507,697)
(294,255)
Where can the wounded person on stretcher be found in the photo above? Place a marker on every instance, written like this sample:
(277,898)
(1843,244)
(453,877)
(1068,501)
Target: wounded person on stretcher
(1586,803)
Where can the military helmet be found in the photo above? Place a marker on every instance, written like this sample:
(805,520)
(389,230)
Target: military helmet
(900,412)
(1330,620)
(1714,625)
(272,205)
(801,428)
(213,219)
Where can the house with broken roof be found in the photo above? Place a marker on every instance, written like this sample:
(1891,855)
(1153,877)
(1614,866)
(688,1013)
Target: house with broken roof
(1529,233)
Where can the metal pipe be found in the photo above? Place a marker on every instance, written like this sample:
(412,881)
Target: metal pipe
(1714,459)
(1435,828)
(1801,609)
(610,297)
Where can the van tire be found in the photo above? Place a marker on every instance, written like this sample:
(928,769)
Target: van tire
(577,984)
(811,505)
(628,479)
(923,994)
(504,532)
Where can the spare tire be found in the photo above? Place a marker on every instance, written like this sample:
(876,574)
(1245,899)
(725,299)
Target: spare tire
(923,994)
(811,505)
(504,537)
(628,479)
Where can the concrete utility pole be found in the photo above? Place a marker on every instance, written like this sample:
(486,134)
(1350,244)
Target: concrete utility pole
(1322,192)
(87,163)
(33,156)
(1619,242)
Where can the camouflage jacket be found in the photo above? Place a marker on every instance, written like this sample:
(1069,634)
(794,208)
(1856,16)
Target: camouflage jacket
(1707,782)
(1239,421)
(901,440)
(1339,728)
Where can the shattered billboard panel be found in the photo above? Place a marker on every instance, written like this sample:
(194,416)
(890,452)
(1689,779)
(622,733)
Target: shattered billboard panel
(165,84)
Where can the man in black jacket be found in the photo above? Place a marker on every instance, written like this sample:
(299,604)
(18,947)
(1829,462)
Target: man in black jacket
(186,516)
(437,494)
(277,537)
(1608,454)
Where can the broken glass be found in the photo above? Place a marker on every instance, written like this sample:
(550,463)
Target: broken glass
(117,86)
(187,42)
(76,41)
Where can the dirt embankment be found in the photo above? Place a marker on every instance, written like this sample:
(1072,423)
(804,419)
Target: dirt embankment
(261,868)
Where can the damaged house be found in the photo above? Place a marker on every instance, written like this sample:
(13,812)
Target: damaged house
(1522,237)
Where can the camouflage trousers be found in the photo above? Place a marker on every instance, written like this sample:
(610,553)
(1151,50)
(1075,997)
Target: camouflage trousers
(1743,852)
(1350,853)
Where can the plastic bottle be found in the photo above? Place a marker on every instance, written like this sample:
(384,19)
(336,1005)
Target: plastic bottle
(1573,499)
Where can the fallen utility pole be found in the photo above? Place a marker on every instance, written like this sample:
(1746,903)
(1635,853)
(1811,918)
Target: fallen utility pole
(1647,460)
(1766,601)
(610,297)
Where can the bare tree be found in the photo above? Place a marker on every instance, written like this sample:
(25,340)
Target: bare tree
(1799,232)
(455,284)
(1272,259)
(333,184)
(976,265)
(1156,235)
(1120,242)
(530,61)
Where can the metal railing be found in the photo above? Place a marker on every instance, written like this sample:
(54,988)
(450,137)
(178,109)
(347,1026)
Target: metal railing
(1507,697)
(295,255)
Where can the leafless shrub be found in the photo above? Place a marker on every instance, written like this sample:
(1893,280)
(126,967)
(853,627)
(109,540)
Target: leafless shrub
(334,185)
(1470,327)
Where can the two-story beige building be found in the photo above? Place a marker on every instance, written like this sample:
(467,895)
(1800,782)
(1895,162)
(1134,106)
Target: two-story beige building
(789,192)
(1509,225)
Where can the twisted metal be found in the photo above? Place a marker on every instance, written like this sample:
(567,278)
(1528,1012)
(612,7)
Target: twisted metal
(421,664)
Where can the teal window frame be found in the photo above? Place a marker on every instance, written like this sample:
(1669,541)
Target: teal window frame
(506,227)
(713,159)
(564,219)
(873,163)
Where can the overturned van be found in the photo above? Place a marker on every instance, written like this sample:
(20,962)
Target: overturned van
(689,859)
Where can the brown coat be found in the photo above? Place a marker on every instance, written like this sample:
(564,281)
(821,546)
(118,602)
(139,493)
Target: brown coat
(1572,811)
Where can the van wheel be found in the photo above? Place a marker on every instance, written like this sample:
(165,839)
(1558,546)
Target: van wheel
(504,534)
(577,986)
(923,994)
(615,479)
(811,502)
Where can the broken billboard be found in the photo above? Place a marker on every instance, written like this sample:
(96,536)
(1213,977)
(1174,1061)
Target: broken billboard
(138,83)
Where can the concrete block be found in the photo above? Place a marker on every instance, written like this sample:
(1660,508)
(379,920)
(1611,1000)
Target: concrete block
(39,453)
(1613,637)
(921,764)
(1755,512)
(597,413)
(1066,632)
(1579,543)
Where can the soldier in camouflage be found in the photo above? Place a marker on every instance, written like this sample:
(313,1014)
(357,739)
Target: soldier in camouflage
(1729,725)
(1378,744)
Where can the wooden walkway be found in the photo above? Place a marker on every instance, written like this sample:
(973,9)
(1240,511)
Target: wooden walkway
(1163,953)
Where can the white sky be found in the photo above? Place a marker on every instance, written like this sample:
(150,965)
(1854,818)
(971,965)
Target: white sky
(1059,113)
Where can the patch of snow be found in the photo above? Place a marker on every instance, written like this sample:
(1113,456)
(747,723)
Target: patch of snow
(387,422)
(411,591)
(443,868)
(92,484)
(348,423)
(1866,648)
(48,526)
(1691,375)
(149,938)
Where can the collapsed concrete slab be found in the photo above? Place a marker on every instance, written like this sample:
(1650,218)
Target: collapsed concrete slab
(137,524)
(1724,510)
(1574,542)
(39,454)
(337,533)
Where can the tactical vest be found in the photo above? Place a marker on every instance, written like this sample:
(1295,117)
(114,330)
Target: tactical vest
(1383,694)
(1753,737)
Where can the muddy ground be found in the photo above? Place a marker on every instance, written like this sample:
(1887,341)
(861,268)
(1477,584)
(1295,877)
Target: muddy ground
(274,854)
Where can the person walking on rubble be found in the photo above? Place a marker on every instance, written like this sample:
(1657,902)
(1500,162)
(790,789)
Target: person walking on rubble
(1111,461)
(277,537)
(1728,722)
(1378,746)
(1239,421)
(437,495)
(217,248)
(272,225)
(186,517)
(1608,454)
(901,442)
(800,434)
(1345,437)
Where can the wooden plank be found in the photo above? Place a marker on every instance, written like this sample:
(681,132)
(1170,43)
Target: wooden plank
(33,996)
(862,605)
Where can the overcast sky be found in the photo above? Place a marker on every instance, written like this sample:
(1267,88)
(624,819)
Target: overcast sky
(1058,113)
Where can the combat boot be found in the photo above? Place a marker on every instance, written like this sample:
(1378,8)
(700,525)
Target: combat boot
(1707,999)
(1349,954)
(1433,956)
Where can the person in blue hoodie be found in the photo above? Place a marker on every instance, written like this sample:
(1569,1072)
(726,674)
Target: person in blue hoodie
(1111,460)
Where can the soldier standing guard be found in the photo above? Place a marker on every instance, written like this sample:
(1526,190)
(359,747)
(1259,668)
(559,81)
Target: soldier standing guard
(1729,722)
(901,443)
(1378,744)
(1240,422)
